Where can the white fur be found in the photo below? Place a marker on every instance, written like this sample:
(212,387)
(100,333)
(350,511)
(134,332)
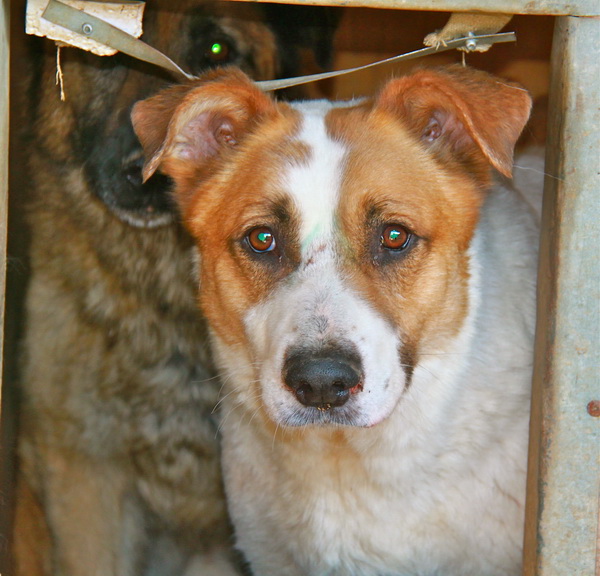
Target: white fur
(430,480)
(320,178)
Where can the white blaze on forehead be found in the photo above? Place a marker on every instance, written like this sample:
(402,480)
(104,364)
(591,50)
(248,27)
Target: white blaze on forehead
(314,186)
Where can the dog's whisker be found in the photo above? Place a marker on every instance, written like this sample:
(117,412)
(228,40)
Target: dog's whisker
(428,370)
(205,380)
(441,354)
(225,379)
(238,406)
(231,372)
(257,411)
(532,169)
(224,417)
(225,396)
(274,437)
(220,401)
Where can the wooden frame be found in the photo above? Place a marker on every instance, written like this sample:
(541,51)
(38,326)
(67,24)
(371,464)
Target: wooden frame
(540,7)
(564,460)
(4,123)
(562,524)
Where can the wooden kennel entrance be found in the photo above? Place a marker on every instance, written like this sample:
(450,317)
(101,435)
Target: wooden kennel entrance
(563,521)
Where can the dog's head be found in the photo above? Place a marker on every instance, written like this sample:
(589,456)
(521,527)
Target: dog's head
(333,239)
(92,128)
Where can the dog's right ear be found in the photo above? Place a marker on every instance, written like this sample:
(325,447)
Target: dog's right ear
(473,116)
(184,127)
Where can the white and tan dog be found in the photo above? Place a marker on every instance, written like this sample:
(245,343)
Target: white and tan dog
(370,293)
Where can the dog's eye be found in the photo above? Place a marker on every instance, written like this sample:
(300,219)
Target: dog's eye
(261,239)
(395,237)
(218,51)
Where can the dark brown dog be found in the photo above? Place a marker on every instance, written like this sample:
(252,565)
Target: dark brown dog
(119,467)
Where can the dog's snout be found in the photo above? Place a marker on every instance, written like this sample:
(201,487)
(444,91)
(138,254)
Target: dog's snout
(323,381)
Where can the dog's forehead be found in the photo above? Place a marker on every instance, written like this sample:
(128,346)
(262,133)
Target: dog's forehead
(362,165)
(314,185)
(346,161)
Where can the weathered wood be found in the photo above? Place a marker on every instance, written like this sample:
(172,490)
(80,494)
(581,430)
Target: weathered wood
(564,462)
(550,7)
(4,111)
(562,527)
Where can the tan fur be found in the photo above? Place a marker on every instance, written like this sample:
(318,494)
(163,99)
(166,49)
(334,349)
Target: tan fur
(424,287)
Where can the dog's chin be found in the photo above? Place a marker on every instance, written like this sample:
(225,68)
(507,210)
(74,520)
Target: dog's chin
(347,416)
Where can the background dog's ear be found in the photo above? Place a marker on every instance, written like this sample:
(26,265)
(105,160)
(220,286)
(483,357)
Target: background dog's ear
(472,115)
(183,127)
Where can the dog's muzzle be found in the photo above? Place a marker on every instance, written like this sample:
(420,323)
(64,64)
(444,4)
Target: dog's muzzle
(324,379)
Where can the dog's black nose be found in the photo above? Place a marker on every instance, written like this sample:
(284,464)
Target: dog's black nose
(323,380)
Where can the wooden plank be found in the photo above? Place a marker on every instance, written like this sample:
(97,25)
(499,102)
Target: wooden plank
(564,463)
(4,117)
(549,7)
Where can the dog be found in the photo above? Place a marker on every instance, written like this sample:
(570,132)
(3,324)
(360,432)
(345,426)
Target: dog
(119,470)
(368,277)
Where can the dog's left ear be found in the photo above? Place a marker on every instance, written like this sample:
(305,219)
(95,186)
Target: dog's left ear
(472,115)
(183,128)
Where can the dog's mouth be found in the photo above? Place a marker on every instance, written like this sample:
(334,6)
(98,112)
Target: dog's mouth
(345,416)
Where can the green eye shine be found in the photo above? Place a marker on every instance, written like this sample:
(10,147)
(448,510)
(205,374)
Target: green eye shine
(394,235)
(219,51)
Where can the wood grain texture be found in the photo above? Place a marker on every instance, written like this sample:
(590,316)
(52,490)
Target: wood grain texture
(550,7)
(4,122)
(564,463)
